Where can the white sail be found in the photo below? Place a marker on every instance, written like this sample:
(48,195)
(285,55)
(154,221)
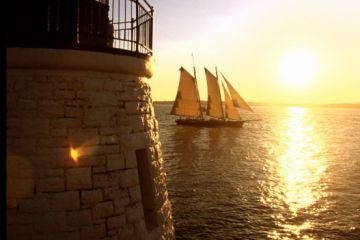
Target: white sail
(230,110)
(236,98)
(187,102)
(214,106)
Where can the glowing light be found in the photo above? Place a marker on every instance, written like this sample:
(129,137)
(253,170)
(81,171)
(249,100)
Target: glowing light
(74,154)
(297,67)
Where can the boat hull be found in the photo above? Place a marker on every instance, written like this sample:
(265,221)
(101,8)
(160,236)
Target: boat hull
(210,123)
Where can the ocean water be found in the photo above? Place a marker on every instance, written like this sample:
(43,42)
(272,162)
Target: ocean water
(293,175)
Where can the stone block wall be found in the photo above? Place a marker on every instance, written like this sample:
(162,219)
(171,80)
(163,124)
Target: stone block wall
(106,117)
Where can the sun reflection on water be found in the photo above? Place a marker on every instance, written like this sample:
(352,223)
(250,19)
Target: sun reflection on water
(296,176)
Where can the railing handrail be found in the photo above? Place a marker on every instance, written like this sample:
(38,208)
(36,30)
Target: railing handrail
(146,2)
(145,10)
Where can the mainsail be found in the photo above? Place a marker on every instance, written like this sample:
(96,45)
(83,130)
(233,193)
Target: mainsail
(230,110)
(187,102)
(214,106)
(237,100)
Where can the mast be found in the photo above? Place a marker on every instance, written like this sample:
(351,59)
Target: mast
(217,80)
(196,86)
(192,55)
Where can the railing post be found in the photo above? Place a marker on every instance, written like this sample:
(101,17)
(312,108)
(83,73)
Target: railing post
(132,34)
(137,26)
(151,29)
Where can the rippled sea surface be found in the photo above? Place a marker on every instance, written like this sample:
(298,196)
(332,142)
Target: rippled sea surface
(293,175)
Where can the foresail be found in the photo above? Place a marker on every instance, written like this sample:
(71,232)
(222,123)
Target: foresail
(236,98)
(214,106)
(230,110)
(187,102)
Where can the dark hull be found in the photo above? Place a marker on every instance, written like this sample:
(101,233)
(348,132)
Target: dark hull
(210,123)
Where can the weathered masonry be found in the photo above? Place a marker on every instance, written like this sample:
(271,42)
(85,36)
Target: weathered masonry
(83,152)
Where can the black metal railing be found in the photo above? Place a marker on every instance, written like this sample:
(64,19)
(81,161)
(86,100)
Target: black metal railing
(117,26)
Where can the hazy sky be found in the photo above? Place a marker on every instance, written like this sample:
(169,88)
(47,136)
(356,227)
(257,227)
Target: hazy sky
(247,40)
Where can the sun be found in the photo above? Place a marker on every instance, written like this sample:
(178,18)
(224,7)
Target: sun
(298,66)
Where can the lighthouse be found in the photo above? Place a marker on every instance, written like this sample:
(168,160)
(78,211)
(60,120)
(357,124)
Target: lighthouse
(83,154)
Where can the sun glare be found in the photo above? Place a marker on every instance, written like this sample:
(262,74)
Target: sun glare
(297,67)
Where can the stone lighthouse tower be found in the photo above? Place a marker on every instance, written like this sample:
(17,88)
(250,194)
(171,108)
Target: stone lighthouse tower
(83,151)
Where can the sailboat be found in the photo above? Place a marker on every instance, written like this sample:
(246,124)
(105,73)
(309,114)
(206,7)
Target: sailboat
(187,103)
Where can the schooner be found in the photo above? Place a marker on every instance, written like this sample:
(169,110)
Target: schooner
(187,103)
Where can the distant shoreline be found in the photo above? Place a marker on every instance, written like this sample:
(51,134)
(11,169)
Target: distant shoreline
(333,105)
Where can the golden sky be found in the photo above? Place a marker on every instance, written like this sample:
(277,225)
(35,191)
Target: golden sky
(255,42)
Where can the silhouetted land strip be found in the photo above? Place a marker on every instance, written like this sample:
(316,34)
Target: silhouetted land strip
(335,105)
